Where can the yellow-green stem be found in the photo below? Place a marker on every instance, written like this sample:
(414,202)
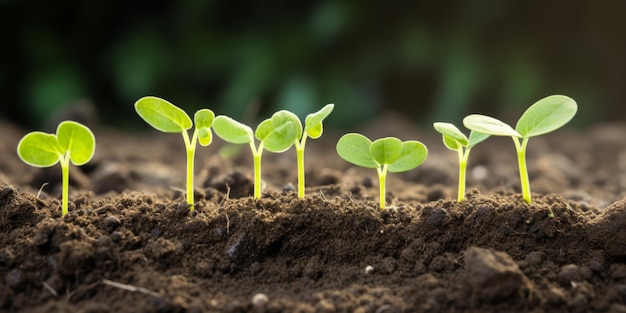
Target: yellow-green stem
(65,173)
(300,158)
(523,171)
(462,169)
(190,145)
(190,160)
(382,177)
(256,155)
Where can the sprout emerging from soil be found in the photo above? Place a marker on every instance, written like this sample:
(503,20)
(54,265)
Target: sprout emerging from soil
(73,142)
(276,134)
(455,140)
(312,128)
(385,154)
(546,115)
(168,118)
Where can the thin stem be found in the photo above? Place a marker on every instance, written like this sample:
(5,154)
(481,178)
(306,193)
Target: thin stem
(190,145)
(65,173)
(523,171)
(382,177)
(462,169)
(300,159)
(256,155)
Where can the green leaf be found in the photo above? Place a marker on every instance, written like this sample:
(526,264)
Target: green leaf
(355,148)
(205,137)
(203,119)
(546,115)
(264,129)
(280,131)
(39,149)
(313,123)
(386,150)
(232,131)
(489,125)
(77,141)
(451,131)
(476,138)
(163,115)
(413,154)
(451,143)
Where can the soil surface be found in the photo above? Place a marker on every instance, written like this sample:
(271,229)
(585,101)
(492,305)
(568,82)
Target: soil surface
(131,244)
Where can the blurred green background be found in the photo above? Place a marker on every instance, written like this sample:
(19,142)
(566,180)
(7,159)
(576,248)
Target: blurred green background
(429,60)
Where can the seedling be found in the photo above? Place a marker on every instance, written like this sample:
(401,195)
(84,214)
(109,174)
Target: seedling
(168,118)
(546,115)
(73,142)
(455,140)
(276,134)
(385,154)
(312,128)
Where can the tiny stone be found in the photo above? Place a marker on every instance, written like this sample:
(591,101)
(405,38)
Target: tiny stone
(289,187)
(369,269)
(534,258)
(259,300)
(569,273)
(479,172)
(16,279)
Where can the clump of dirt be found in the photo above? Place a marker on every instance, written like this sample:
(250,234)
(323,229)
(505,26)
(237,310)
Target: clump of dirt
(133,245)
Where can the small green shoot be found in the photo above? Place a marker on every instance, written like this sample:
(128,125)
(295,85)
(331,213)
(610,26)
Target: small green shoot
(455,140)
(312,128)
(73,142)
(544,116)
(385,154)
(276,134)
(168,118)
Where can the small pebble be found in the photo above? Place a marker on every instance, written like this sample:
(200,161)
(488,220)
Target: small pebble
(289,188)
(479,172)
(16,279)
(260,300)
(369,269)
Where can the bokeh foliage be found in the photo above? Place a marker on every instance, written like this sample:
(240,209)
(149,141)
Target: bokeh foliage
(432,60)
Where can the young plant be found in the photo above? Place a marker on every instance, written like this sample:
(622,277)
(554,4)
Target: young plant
(276,134)
(455,140)
(73,142)
(544,116)
(168,118)
(312,128)
(385,154)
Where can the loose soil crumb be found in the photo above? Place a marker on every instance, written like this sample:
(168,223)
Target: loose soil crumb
(131,244)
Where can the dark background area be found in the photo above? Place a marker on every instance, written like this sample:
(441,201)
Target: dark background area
(430,60)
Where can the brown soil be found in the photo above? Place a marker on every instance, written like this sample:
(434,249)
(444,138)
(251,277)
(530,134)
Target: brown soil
(130,244)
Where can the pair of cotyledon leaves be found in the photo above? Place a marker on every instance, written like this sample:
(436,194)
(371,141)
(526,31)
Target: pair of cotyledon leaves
(277,133)
(72,140)
(397,155)
(168,118)
(544,116)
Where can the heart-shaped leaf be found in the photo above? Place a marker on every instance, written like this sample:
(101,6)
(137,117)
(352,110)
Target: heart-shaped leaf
(489,125)
(163,115)
(413,154)
(546,115)
(386,150)
(77,141)
(355,148)
(39,149)
(231,130)
(280,131)
(313,123)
